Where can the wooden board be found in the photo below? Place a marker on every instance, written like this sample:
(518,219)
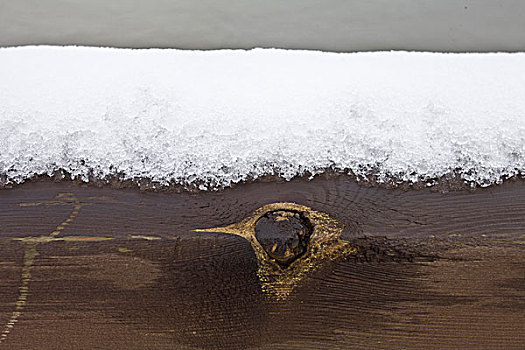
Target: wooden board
(102,268)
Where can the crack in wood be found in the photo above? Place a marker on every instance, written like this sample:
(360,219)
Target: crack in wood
(31,252)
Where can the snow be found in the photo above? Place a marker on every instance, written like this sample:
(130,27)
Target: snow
(213,118)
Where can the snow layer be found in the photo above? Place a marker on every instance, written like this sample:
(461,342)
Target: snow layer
(218,117)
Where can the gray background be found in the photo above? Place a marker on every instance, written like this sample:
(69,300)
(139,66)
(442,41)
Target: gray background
(334,25)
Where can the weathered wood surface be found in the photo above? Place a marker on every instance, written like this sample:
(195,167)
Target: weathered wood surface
(89,268)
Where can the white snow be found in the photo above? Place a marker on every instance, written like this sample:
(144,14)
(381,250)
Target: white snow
(218,117)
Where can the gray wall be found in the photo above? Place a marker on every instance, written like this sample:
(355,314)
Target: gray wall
(335,25)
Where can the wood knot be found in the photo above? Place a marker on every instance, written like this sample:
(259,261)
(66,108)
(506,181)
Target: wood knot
(283,234)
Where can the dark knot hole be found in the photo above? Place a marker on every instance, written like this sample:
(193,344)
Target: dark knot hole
(284,235)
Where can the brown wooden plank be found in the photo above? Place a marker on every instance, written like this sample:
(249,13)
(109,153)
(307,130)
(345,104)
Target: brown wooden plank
(123,269)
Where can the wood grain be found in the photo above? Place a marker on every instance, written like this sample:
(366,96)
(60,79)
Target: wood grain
(430,271)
